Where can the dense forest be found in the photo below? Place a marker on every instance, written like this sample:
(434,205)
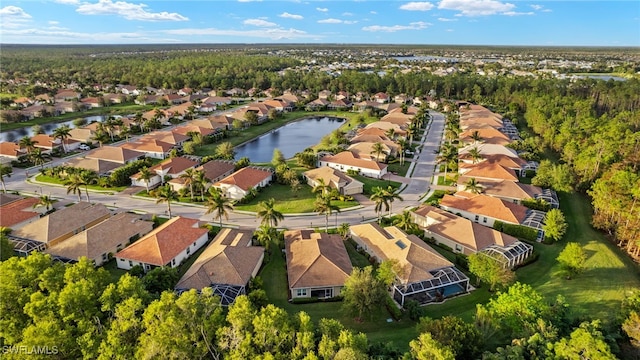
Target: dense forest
(51,310)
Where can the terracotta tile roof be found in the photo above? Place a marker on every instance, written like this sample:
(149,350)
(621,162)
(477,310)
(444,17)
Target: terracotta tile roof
(164,243)
(509,189)
(397,118)
(458,229)
(489,135)
(349,159)
(386,126)
(246,178)
(11,149)
(214,122)
(488,150)
(62,221)
(114,153)
(174,165)
(17,211)
(98,165)
(148,145)
(364,150)
(485,205)
(103,237)
(229,259)
(506,161)
(416,258)
(216,168)
(8,198)
(486,170)
(334,178)
(170,137)
(315,259)
(185,130)
(45,141)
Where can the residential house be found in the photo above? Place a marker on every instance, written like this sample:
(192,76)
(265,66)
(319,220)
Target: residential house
(19,212)
(487,150)
(340,105)
(91,102)
(346,161)
(46,142)
(167,245)
(485,171)
(187,130)
(99,166)
(317,104)
(216,122)
(129,90)
(226,265)
(381,98)
(185,91)
(59,226)
(101,241)
(365,150)
(10,151)
(212,103)
(488,135)
(516,192)
(214,171)
(467,237)
(151,148)
(426,276)
(169,168)
(82,134)
(398,118)
(171,137)
(317,264)
(36,111)
(115,154)
(344,184)
(66,95)
(324,94)
(237,185)
(384,127)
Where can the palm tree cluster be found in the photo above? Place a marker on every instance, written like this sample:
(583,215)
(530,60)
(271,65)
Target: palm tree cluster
(219,204)
(384,198)
(78,179)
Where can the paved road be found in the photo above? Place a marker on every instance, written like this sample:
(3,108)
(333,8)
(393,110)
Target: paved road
(416,187)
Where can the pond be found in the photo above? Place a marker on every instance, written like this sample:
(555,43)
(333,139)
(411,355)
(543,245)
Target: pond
(17,134)
(290,139)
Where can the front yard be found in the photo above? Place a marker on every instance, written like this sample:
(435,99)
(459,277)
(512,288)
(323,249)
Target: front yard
(370,183)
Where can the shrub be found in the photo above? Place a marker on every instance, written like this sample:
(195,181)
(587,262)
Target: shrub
(308,300)
(392,308)
(463,261)
(519,231)
(414,310)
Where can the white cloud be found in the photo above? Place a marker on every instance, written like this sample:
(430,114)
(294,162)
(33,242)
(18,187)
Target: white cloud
(347,14)
(446,19)
(13,17)
(417,6)
(259,22)
(536,7)
(52,22)
(322,9)
(373,12)
(476,7)
(336,21)
(291,16)
(419,25)
(68,2)
(449,30)
(515,13)
(274,34)
(128,11)
(547,10)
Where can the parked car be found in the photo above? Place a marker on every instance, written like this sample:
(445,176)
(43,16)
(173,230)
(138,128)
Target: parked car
(84,147)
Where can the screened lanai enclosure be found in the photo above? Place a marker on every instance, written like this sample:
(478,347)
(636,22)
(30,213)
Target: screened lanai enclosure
(445,283)
(510,256)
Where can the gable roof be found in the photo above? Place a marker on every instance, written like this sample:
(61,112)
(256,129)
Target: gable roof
(164,243)
(102,237)
(485,205)
(170,137)
(316,259)
(148,145)
(246,178)
(229,259)
(17,211)
(174,165)
(186,129)
(348,158)
(416,258)
(489,135)
(114,153)
(466,232)
(62,221)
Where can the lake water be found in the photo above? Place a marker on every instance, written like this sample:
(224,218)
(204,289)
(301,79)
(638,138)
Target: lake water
(17,134)
(290,139)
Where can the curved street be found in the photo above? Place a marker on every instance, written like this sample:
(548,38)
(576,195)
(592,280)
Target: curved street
(418,183)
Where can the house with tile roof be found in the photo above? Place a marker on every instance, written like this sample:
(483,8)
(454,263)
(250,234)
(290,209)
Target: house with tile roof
(467,237)
(116,154)
(10,151)
(152,148)
(488,135)
(216,122)
(19,212)
(425,276)
(82,134)
(486,210)
(237,185)
(172,167)
(398,118)
(488,150)
(171,137)
(99,166)
(381,98)
(343,183)
(101,241)
(167,245)
(384,127)
(214,171)
(514,192)
(365,150)
(317,264)
(46,143)
(187,130)
(226,265)
(485,171)
(60,225)
(346,161)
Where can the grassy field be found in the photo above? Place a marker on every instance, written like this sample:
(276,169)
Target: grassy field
(121,109)
(398,169)
(55,181)
(289,202)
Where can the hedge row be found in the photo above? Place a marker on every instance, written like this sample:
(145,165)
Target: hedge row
(519,231)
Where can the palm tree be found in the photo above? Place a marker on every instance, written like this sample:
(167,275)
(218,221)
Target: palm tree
(391,133)
(475,136)
(379,198)
(88,177)
(343,230)
(146,175)
(266,235)
(391,196)
(38,157)
(219,204)
(402,143)
(475,155)
(63,133)
(267,212)
(74,185)
(405,221)
(378,149)
(126,132)
(44,200)
(166,194)
(321,187)
(201,180)
(189,177)
(101,137)
(447,154)
(225,151)
(27,144)
(324,207)
(5,171)
(473,186)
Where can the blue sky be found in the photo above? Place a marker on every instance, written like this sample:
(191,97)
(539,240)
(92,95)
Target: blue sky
(456,22)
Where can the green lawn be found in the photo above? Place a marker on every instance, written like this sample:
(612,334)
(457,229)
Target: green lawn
(56,181)
(113,270)
(119,109)
(377,328)
(449,181)
(289,202)
(370,183)
(398,169)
